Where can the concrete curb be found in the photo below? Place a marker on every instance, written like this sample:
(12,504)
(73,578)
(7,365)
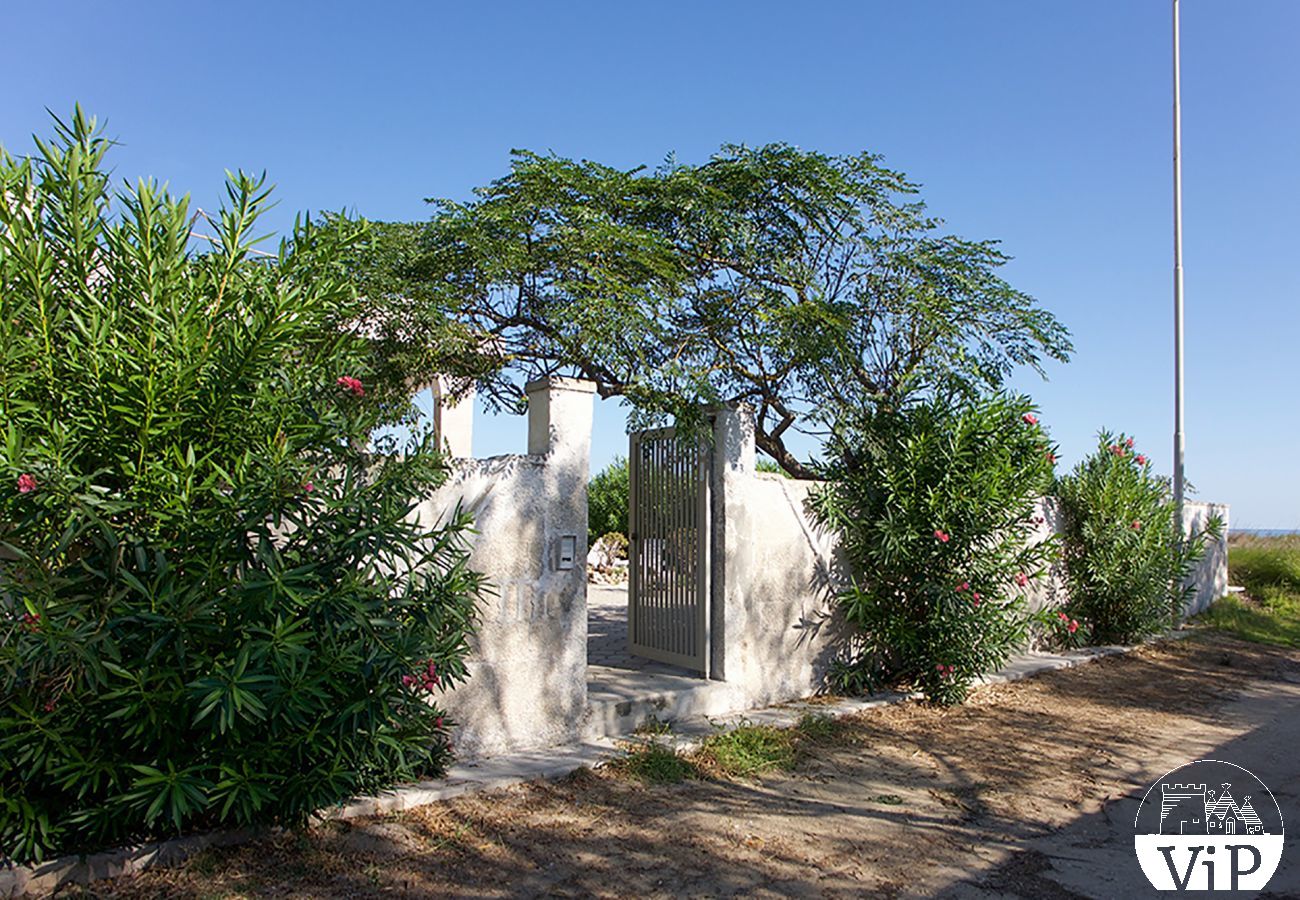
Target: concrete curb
(504,771)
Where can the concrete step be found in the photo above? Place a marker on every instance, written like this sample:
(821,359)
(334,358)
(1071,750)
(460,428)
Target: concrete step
(619,701)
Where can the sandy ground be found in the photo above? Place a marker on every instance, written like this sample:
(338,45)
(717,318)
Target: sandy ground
(1029,790)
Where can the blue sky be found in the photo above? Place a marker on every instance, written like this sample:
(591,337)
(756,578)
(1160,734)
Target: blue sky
(1046,125)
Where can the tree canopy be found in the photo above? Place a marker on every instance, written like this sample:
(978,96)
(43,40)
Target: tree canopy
(810,286)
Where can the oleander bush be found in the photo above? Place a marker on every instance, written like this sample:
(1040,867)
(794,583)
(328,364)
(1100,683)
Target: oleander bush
(216,606)
(935,505)
(1127,562)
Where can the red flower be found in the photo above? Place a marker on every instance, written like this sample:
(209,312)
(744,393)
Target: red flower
(1136,526)
(437,723)
(26,483)
(1022,579)
(49,706)
(308,487)
(1072,627)
(408,680)
(941,536)
(1129,443)
(348,383)
(976,597)
(31,622)
(1140,460)
(1062,616)
(1030,419)
(964,586)
(1051,457)
(1117,449)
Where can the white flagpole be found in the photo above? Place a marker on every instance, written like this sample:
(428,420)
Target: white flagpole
(1179,442)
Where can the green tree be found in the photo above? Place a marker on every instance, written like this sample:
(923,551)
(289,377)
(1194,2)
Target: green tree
(811,286)
(216,606)
(607,501)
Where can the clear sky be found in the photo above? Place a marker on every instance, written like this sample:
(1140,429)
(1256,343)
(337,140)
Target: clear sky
(1043,124)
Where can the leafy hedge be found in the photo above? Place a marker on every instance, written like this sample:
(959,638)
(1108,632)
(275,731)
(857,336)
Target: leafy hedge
(1127,563)
(218,607)
(934,504)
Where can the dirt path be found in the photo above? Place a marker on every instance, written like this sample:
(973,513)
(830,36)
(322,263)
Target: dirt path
(1025,791)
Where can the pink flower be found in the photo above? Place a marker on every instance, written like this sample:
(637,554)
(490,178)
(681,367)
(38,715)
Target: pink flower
(437,723)
(1030,419)
(1022,579)
(1072,627)
(1129,443)
(964,586)
(1136,526)
(1117,449)
(1140,460)
(1051,457)
(941,536)
(408,680)
(976,597)
(1062,616)
(308,487)
(348,383)
(26,483)
(939,666)
(49,706)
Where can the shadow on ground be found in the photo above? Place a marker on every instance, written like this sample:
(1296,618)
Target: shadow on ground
(1029,790)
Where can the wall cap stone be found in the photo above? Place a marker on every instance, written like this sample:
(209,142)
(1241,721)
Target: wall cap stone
(558,383)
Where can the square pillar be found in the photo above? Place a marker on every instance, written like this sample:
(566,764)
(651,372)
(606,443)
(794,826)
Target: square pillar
(734,456)
(453,417)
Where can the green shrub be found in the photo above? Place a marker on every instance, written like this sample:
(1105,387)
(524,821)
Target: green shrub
(607,501)
(1265,565)
(750,750)
(934,505)
(1126,567)
(218,609)
(655,763)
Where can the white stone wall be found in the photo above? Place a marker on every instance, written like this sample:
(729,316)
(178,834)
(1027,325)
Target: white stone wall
(775,574)
(527,684)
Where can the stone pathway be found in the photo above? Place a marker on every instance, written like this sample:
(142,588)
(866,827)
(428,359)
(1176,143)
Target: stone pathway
(607,633)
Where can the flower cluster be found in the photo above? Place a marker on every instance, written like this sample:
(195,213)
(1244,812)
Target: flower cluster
(26,483)
(352,385)
(1071,625)
(942,536)
(945,671)
(31,622)
(426,679)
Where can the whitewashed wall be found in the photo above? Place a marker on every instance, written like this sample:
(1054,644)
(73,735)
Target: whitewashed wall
(528,670)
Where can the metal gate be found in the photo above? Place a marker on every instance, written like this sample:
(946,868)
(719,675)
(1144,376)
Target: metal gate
(668,554)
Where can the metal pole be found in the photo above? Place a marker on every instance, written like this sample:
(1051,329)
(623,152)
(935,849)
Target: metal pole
(1179,442)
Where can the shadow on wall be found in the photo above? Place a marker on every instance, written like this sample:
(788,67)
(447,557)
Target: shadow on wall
(527,673)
